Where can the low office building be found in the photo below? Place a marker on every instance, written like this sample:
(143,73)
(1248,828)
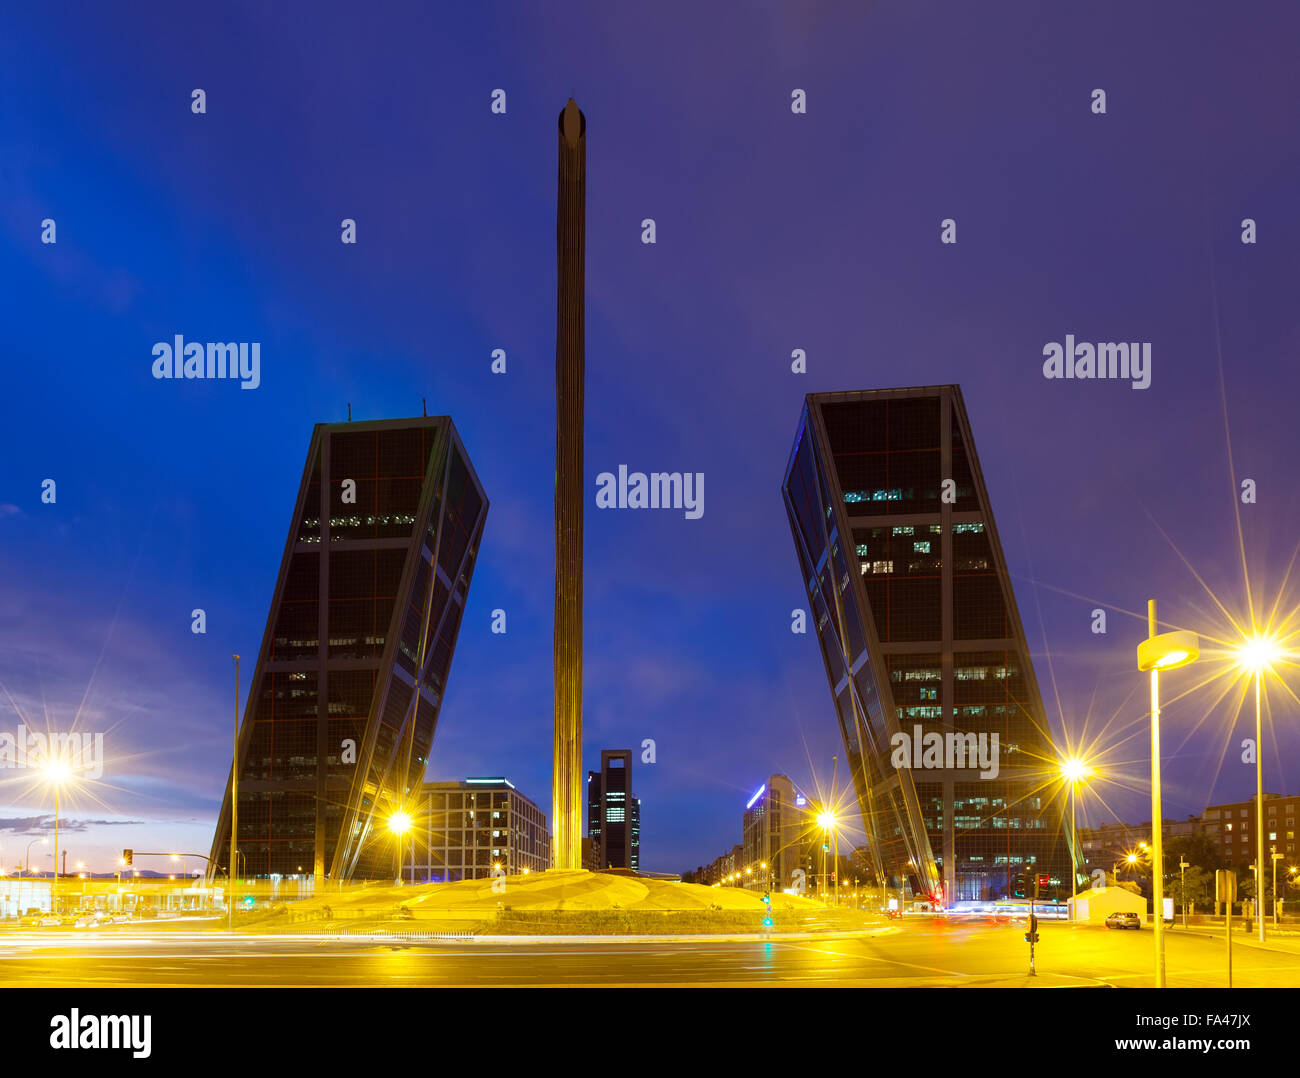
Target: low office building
(462,830)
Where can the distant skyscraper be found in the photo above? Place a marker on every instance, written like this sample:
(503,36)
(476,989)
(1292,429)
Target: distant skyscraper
(570,251)
(773,827)
(333,739)
(914,611)
(613,814)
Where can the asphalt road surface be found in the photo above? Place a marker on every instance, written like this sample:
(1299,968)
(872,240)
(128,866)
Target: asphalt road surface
(972,952)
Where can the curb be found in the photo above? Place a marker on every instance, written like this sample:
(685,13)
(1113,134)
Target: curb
(465,937)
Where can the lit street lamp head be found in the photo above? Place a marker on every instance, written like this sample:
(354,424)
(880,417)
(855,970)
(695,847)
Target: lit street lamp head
(1168,651)
(1075,770)
(399,823)
(1258,653)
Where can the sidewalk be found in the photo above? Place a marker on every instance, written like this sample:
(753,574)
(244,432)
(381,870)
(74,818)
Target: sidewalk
(1284,940)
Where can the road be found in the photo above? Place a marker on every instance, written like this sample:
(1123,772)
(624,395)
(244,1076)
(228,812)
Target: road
(973,952)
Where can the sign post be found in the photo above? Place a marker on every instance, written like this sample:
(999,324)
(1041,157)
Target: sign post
(1225,891)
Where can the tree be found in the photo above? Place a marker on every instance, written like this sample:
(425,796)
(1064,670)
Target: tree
(1246,883)
(1197,850)
(1196,882)
(1128,885)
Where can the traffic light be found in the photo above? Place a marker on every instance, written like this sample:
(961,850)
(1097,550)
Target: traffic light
(127,856)
(1032,935)
(1041,883)
(1018,889)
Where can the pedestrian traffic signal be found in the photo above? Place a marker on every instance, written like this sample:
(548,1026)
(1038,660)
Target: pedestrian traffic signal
(127,856)
(1032,924)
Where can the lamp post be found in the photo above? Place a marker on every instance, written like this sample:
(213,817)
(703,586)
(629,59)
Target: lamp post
(827,821)
(1160,651)
(56,773)
(399,823)
(1130,859)
(27,857)
(1074,771)
(1255,655)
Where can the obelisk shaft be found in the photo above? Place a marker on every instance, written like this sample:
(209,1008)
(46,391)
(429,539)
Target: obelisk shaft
(570,237)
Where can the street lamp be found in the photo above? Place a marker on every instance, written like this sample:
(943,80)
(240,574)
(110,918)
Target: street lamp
(1074,771)
(1256,655)
(1161,651)
(56,774)
(399,823)
(27,857)
(826,820)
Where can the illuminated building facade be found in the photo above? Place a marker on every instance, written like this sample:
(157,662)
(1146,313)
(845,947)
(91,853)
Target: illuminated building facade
(913,609)
(462,830)
(372,585)
(613,814)
(1232,829)
(773,828)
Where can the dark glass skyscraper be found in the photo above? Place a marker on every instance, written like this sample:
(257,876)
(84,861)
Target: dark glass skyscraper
(613,814)
(914,611)
(372,585)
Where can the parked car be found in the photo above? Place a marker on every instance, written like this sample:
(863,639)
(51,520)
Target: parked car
(94,918)
(1123,920)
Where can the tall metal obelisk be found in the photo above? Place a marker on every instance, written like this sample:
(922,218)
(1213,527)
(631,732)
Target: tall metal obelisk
(570,246)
